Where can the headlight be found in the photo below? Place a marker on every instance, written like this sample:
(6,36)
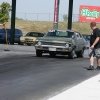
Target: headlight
(67,45)
(39,43)
(21,38)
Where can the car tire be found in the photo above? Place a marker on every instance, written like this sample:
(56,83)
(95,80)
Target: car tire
(19,43)
(72,55)
(29,44)
(38,53)
(80,53)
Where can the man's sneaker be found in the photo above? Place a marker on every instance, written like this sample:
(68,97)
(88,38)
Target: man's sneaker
(98,68)
(91,67)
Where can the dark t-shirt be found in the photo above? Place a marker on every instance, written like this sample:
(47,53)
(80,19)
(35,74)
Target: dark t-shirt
(94,35)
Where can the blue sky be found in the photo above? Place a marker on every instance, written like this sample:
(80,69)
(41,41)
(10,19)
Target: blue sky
(47,6)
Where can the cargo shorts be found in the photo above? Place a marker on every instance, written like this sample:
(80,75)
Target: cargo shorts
(94,52)
(97,52)
(91,52)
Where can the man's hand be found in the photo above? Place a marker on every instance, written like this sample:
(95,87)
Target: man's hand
(92,47)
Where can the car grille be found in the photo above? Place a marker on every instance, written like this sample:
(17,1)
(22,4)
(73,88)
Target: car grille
(53,43)
(28,40)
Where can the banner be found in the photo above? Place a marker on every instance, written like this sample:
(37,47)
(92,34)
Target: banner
(56,6)
(89,13)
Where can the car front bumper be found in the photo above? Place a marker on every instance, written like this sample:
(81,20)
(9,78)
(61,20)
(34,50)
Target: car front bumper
(48,48)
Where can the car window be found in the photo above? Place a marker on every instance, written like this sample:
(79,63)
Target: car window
(77,35)
(59,34)
(28,34)
(2,31)
(32,34)
(86,37)
(40,35)
(80,35)
(16,31)
(8,30)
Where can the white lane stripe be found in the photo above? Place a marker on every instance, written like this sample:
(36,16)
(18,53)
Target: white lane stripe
(87,90)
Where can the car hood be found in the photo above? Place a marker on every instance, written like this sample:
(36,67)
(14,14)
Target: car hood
(30,37)
(55,39)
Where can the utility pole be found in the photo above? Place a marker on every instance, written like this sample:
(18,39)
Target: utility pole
(70,12)
(13,14)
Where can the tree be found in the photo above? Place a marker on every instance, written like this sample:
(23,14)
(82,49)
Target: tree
(65,17)
(18,18)
(4,12)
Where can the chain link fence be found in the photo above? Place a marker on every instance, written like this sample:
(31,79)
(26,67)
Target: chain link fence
(43,16)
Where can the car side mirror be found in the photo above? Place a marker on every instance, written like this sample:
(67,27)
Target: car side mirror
(73,36)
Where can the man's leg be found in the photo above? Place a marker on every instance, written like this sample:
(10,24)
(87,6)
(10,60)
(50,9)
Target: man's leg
(98,61)
(91,55)
(91,61)
(97,52)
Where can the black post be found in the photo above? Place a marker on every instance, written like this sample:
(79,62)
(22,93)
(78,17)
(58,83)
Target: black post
(13,13)
(70,12)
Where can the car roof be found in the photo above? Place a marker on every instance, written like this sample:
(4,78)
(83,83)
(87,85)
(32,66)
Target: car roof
(10,28)
(86,34)
(35,32)
(65,30)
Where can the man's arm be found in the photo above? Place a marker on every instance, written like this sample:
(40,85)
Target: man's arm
(95,42)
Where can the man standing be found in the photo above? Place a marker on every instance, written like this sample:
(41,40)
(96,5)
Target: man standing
(94,46)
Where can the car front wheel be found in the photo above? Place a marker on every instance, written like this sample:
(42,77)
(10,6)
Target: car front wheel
(80,53)
(29,44)
(72,55)
(38,53)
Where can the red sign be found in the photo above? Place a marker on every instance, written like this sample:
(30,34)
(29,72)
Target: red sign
(56,11)
(89,13)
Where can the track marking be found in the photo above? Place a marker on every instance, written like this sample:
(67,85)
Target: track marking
(87,90)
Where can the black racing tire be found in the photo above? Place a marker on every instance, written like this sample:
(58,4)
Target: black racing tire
(80,53)
(29,44)
(38,53)
(71,55)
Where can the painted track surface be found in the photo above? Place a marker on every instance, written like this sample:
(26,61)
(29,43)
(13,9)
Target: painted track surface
(23,76)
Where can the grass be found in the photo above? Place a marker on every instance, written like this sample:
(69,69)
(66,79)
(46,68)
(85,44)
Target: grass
(44,26)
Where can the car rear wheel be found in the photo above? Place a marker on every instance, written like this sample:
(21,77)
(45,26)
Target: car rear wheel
(38,53)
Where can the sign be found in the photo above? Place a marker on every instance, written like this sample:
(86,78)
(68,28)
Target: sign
(56,9)
(89,13)
(52,49)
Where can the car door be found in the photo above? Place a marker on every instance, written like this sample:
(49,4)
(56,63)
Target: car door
(78,41)
(82,42)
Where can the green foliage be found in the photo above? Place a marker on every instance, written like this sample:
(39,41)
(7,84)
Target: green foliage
(4,12)
(65,17)
(18,18)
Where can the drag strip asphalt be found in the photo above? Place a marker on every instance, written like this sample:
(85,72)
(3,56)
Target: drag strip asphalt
(23,76)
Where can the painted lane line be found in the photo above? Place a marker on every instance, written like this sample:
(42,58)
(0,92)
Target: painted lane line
(87,90)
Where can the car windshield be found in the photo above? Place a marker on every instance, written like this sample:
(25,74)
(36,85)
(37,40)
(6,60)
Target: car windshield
(64,34)
(32,34)
(86,37)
